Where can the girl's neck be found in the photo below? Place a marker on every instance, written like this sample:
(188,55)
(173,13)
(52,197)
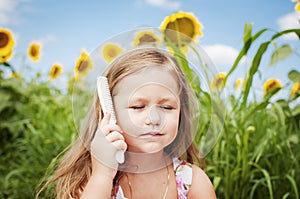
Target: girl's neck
(146,162)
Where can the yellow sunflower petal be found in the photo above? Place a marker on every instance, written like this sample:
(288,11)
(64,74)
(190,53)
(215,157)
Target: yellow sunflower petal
(297,7)
(295,90)
(238,83)
(83,64)
(34,51)
(184,23)
(6,42)
(15,74)
(55,70)
(6,58)
(218,82)
(145,37)
(110,51)
(271,84)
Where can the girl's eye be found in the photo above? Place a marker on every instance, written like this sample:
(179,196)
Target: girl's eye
(137,107)
(167,107)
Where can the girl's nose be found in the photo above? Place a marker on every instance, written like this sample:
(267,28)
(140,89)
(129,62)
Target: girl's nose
(154,116)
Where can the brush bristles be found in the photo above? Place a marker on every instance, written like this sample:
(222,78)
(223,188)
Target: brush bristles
(105,98)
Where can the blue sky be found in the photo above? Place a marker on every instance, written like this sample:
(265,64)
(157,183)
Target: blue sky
(66,27)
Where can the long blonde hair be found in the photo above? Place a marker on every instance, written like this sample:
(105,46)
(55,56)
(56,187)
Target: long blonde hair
(75,168)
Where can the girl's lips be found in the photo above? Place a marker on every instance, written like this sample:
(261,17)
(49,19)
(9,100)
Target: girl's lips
(151,134)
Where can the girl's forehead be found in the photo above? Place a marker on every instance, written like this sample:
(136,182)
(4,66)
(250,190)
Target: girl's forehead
(151,75)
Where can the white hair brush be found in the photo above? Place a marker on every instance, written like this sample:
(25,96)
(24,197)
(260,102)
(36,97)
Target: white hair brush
(108,107)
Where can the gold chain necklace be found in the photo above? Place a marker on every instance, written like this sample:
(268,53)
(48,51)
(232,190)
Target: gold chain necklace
(167,187)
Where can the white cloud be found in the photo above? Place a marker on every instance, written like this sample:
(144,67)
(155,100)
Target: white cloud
(289,21)
(168,4)
(47,39)
(9,12)
(221,55)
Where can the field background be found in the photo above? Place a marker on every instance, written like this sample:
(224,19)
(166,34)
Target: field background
(256,154)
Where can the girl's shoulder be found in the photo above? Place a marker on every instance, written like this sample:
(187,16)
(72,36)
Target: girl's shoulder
(192,181)
(201,186)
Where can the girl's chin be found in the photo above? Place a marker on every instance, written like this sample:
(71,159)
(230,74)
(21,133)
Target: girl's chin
(146,150)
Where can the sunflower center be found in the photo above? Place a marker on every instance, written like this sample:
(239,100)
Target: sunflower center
(183,25)
(272,85)
(3,39)
(55,71)
(147,38)
(34,51)
(83,66)
(219,82)
(112,52)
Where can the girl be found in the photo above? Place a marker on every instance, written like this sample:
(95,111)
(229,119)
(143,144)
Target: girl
(154,108)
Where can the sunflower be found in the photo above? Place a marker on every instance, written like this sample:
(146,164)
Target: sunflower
(6,42)
(55,70)
(238,83)
(218,82)
(184,23)
(83,64)
(34,51)
(15,74)
(145,37)
(6,58)
(271,84)
(111,51)
(295,90)
(297,7)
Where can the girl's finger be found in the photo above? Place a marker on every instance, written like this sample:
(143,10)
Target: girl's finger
(105,119)
(120,145)
(107,129)
(114,136)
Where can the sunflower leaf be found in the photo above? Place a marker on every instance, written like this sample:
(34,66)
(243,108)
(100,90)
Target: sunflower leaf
(247,32)
(280,54)
(294,76)
(244,51)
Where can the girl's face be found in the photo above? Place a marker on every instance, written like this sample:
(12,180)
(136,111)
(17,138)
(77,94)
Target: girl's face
(147,108)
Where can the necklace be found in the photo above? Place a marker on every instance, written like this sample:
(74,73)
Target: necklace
(167,186)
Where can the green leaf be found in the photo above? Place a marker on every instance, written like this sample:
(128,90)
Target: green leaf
(253,69)
(244,51)
(294,185)
(247,32)
(216,181)
(294,76)
(280,54)
(296,110)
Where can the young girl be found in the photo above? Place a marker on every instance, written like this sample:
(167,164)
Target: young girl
(154,108)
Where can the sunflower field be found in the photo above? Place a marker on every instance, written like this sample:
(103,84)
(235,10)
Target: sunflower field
(255,156)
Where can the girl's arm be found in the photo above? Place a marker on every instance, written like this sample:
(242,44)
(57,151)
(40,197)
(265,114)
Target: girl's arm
(98,186)
(201,185)
(107,140)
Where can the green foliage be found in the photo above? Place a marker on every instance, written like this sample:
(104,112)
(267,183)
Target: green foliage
(280,54)
(294,76)
(35,125)
(257,155)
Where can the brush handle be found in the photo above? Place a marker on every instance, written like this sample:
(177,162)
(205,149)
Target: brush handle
(107,107)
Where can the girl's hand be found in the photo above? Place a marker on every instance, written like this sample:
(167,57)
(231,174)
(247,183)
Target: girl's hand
(107,141)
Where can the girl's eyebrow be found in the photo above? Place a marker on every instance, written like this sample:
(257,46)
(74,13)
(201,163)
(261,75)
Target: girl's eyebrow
(168,99)
(137,99)
(162,100)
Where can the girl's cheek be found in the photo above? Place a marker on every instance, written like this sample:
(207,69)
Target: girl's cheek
(136,118)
